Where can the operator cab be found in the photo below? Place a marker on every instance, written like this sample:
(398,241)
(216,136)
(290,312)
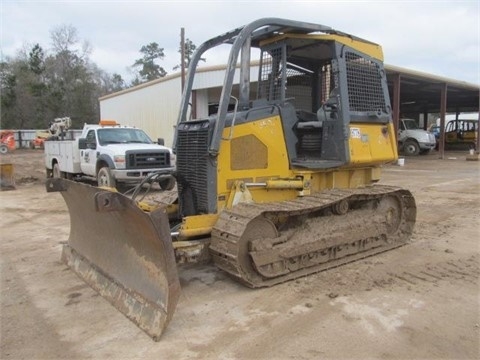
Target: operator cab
(307,78)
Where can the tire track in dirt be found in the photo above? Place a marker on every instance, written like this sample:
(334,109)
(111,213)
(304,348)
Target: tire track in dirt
(464,270)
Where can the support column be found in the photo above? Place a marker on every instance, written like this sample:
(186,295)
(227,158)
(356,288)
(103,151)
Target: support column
(477,148)
(396,102)
(443,111)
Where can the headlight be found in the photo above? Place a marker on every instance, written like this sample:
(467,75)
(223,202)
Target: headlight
(119,161)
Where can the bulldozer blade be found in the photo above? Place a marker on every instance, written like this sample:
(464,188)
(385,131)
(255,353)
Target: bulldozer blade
(7,178)
(122,252)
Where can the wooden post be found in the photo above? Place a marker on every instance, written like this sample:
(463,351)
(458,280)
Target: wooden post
(182,57)
(443,111)
(20,140)
(396,102)
(477,147)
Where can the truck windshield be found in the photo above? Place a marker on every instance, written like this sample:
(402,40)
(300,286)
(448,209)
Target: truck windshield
(410,124)
(122,136)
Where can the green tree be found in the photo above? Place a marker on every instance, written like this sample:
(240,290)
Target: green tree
(8,95)
(19,93)
(108,83)
(69,67)
(117,82)
(37,60)
(36,82)
(148,69)
(37,86)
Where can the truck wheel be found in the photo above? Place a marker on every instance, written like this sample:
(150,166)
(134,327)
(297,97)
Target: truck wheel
(105,177)
(3,149)
(411,148)
(56,173)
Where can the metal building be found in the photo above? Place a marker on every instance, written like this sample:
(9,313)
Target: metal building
(154,106)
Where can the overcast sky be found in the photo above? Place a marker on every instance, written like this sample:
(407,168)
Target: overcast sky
(438,37)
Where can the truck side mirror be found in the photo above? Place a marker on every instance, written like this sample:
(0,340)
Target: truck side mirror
(160,141)
(82,143)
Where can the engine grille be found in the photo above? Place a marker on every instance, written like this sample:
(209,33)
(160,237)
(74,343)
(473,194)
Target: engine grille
(365,90)
(137,159)
(192,167)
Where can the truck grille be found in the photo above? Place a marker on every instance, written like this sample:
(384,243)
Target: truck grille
(192,167)
(148,159)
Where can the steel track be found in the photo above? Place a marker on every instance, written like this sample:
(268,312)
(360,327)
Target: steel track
(266,244)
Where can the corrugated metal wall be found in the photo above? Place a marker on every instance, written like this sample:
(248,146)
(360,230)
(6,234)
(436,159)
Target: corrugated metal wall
(154,106)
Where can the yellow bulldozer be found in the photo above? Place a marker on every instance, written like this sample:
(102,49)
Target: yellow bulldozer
(277,182)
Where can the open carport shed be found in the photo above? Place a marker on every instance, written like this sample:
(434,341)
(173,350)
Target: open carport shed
(414,93)
(153,106)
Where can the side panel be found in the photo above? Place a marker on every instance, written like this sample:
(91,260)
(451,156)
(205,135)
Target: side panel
(372,144)
(254,154)
(257,153)
(74,155)
(65,153)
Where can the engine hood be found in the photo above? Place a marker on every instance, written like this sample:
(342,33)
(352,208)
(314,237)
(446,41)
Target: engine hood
(122,148)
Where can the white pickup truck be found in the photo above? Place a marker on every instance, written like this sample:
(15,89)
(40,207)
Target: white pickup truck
(412,140)
(109,153)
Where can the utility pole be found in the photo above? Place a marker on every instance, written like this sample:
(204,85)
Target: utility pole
(182,46)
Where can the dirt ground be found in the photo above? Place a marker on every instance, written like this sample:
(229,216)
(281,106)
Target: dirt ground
(420,301)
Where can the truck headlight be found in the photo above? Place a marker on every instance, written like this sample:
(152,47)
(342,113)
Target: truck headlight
(119,161)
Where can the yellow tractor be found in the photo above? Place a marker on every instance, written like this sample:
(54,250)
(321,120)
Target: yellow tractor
(277,182)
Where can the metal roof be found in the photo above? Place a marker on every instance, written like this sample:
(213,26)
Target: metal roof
(421,92)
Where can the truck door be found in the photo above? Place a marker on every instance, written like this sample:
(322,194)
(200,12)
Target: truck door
(88,156)
(401,131)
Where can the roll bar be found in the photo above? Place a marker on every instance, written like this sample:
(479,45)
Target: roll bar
(242,39)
